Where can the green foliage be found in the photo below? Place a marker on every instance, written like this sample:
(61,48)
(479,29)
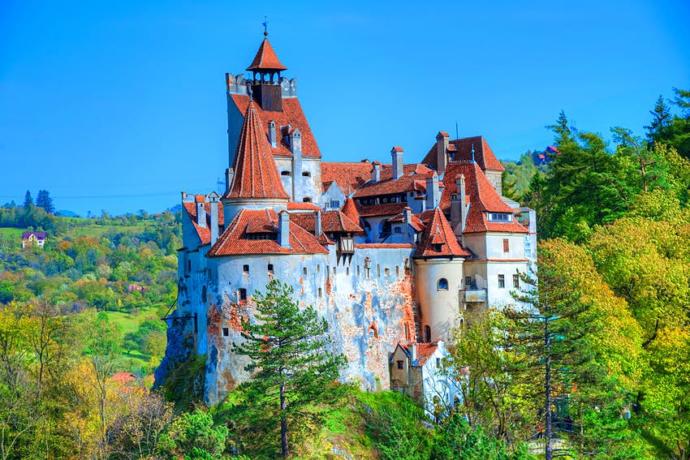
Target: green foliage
(194,436)
(294,372)
(518,177)
(456,439)
(184,384)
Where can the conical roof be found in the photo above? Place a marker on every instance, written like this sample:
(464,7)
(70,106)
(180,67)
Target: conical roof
(255,171)
(438,239)
(350,210)
(266,59)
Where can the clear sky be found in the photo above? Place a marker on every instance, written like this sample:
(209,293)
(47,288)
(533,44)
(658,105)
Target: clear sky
(120,105)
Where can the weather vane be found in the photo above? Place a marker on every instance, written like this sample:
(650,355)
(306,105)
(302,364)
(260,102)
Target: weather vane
(265,24)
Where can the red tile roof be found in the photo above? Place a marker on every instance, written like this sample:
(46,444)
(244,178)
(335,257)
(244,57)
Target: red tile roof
(388,209)
(204,233)
(483,199)
(293,206)
(350,210)
(462,149)
(291,115)
(255,171)
(266,58)
(390,186)
(235,240)
(483,154)
(348,175)
(416,223)
(383,245)
(438,239)
(331,222)
(425,350)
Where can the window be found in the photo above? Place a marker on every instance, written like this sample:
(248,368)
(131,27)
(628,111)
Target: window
(242,294)
(506,245)
(378,271)
(468,281)
(442,284)
(400,364)
(358,270)
(501,281)
(347,271)
(226,332)
(245,269)
(203,294)
(306,174)
(304,271)
(285,173)
(500,217)
(306,199)
(270,269)
(397,229)
(335,203)
(320,293)
(438,362)
(516,281)
(427,333)
(397,270)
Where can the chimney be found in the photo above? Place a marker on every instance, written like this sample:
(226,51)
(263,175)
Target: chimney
(433,195)
(462,196)
(317,223)
(200,214)
(229,175)
(413,353)
(376,176)
(213,205)
(272,133)
(284,229)
(397,162)
(296,148)
(441,149)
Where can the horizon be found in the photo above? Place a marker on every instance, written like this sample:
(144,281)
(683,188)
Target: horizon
(122,107)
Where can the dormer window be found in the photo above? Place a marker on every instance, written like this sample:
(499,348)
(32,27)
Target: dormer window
(500,217)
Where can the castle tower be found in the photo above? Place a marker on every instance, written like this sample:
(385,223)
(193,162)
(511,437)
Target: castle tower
(266,69)
(255,183)
(439,262)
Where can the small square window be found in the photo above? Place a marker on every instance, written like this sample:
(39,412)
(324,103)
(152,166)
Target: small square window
(386,272)
(501,281)
(270,268)
(468,281)
(400,364)
(245,268)
(226,332)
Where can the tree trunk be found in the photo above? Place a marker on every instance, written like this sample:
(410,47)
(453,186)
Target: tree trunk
(283,424)
(548,453)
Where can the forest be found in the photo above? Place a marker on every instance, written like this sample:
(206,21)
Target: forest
(598,368)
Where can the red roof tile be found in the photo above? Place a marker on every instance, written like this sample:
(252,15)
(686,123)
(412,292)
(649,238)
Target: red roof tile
(438,239)
(350,210)
(331,222)
(390,186)
(483,199)
(416,223)
(204,233)
(348,175)
(383,245)
(462,149)
(388,209)
(255,171)
(293,206)
(235,241)
(266,58)
(291,115)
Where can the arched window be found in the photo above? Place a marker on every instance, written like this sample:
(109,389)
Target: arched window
(427,334)
(442,284)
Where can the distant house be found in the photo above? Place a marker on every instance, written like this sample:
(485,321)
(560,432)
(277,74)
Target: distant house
(30,239)
(417,370)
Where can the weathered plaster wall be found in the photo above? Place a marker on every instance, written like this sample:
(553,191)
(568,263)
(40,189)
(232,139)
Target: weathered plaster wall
(439,307)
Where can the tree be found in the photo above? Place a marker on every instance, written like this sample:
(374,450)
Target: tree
(563,132)
(43,200)
(28,200)
(193,435)
(291,362)
(661,119)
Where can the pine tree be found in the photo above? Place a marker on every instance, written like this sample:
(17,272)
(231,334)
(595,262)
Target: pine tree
(563,132)
(28,200)
(43,200)
(291,362)
(661,118)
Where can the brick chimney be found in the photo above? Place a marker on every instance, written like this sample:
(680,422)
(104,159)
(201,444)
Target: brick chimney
(441,149)
(213,205)
(397,162)
(284,229)
(433,194)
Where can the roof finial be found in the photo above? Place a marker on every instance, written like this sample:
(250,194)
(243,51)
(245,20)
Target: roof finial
(265,24)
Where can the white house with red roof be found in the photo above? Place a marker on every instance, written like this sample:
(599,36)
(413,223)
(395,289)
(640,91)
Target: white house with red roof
(393,255)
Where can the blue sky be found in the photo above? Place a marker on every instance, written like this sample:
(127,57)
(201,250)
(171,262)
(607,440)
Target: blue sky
(119,105)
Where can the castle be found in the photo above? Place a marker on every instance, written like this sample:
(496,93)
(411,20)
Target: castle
(394,256)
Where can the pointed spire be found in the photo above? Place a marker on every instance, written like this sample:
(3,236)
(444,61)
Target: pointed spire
(350,210)
(266,59)
(255,171)
(438,239)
